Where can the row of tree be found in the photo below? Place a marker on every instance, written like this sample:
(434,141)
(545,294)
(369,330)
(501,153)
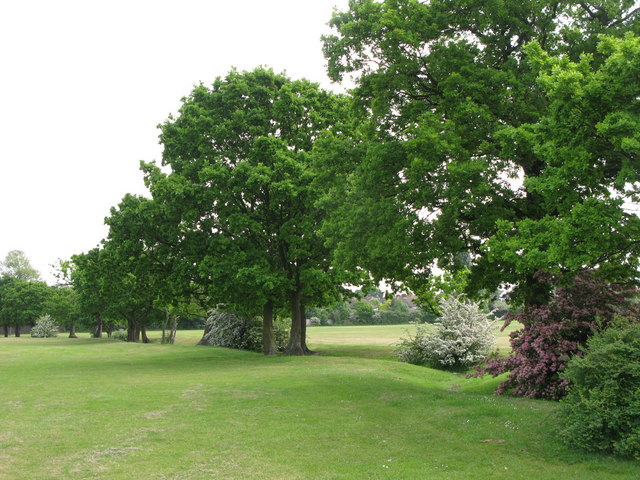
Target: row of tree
(495,138)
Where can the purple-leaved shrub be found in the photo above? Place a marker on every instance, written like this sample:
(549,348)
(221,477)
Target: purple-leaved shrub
(553,333)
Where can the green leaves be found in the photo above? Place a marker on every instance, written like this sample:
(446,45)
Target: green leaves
(497,129)
(241,180)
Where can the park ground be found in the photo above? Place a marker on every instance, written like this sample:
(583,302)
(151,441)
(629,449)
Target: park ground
(102,409)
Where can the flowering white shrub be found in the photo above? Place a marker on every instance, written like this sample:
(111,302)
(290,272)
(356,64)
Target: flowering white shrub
(45,327)
(230,330)
(120,334)
(463,337)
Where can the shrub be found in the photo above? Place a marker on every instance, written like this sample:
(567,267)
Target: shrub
(45,327)
(411,350)
(554,333)
(120,334)
(462,337)
(230,330)
(602,409)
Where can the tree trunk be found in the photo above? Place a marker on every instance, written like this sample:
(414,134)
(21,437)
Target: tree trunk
(207,329)
(268,339)
(164,338)
(17,330)
(72,330)
(174,329)
(133,331)
(303,335)
(295,345)
(6,330)
(109,329)
(98,331)
(143,330)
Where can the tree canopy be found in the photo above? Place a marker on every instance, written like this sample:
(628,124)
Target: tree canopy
(474,142)
(241,179)
(22,302)
(17,265)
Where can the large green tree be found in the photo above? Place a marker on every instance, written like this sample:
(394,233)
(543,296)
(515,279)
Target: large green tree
(240,167)
(458,152)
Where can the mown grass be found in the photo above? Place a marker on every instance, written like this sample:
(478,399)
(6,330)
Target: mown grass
(98,409)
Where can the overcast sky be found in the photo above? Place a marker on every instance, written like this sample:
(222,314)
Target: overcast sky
(83,85)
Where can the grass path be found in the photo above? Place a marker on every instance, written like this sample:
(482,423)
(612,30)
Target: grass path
(97,409)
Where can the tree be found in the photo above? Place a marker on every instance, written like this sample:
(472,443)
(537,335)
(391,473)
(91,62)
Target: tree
(88,275)
(241,172)
(129,289)
(22,302)
(363,312)
(146,234)
(17,265)
(589,140)
(464,148)
(64,308)
(115,283)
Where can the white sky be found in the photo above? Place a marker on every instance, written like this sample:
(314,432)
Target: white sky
(84,83)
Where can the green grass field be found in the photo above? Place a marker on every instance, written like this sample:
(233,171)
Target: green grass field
(99,409)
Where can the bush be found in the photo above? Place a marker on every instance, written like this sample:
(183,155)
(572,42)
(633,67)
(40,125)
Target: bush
(411,350)
(230,330)
(602,410)
(554,333)
(45,327)
(462,337)
(120,334)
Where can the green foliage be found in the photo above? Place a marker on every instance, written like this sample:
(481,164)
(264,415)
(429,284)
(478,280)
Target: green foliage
(589,141)
(241,189)
(466,141)
(436,287)
(395,311)
(339,313)
(89,277)
(462,337)
(363,313)
(22,302)
(45,327)
(411,349)
(601,413)
(369,311)
(63,305)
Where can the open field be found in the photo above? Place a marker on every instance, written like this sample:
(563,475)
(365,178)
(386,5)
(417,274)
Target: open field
(99,409)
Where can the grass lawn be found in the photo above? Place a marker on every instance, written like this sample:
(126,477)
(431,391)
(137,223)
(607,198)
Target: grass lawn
(99,409)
